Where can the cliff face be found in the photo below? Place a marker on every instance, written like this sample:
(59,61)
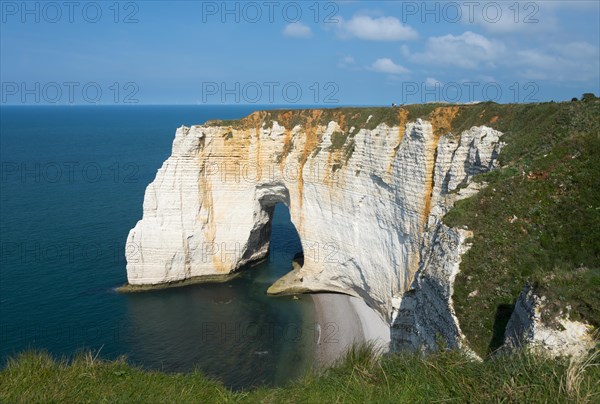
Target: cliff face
(526,327)
(361,199)
(425,312)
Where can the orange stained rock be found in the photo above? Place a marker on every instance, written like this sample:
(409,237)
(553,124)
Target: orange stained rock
(441,120)
(402,121)
(210,228)
(313,136)
(441,123)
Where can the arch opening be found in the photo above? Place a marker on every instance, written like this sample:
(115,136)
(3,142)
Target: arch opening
(285,246)
(274,237)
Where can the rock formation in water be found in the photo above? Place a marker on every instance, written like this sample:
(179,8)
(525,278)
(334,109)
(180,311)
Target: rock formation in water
(359,199)
(365,196)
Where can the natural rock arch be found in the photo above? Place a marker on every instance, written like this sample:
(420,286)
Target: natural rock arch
(267,197)
(360,202)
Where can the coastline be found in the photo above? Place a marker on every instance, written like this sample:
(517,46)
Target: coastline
(128,288)
(213,278)
(342,321)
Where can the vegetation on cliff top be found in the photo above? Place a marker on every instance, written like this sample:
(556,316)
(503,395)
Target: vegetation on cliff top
(347,117)
(35,377)
(537,221)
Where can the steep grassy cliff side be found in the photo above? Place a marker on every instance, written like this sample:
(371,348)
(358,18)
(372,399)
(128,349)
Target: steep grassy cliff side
(538,220)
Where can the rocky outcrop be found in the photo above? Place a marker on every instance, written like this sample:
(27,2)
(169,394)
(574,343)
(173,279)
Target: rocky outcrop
(366,202)
(424,316)
(526,327)
(358,198)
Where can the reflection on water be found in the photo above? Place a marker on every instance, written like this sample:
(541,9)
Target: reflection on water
(233,331)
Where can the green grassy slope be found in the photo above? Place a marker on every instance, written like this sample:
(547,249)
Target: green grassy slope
(537,221)
(35,377)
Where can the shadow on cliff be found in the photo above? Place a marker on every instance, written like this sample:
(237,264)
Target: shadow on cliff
(503,313)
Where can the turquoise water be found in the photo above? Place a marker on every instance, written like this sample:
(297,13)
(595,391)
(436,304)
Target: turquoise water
(72,184)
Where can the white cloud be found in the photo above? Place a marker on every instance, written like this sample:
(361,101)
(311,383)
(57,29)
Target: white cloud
(431,82)
(577,51)
(511,17)
(297,30)
(375,29)
(524,16)
(468,50)
(405,51)
(347,62)
(534,58)
(574,61)
(387,65)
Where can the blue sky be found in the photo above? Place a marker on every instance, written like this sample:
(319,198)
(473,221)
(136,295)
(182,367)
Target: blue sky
(335,53)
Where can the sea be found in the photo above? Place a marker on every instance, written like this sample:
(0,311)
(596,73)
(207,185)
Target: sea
(72,183)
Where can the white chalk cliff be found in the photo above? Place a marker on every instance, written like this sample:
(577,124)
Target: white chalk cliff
(367,205)
(526,327)
(425,312)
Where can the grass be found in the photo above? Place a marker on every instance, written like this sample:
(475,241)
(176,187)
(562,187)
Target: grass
(338,139)
(343,141)
(361,377)
(538,220)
